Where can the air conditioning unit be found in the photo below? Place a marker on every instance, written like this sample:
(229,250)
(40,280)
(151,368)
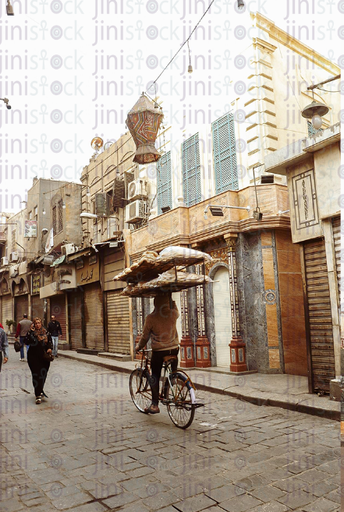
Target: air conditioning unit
(137,189)
(68,249)
(14,256)
(4,260)
(134,212)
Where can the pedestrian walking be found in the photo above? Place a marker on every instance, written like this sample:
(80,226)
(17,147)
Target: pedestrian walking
(161,327)
(3,347)
(22,329)
(54,329)
(39,346)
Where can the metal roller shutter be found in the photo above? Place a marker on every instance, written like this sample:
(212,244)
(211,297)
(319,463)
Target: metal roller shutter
(37,307)
(94,317)
(75,319)
(21,307)
(58,308)
(118,323)
(6,310)
(319,312)
(337,248)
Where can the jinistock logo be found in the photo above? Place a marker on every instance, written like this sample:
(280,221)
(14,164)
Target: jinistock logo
(45,7)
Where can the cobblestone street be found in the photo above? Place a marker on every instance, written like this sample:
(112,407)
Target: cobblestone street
(86,448)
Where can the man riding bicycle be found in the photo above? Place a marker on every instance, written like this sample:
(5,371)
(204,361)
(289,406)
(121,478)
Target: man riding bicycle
(161,327)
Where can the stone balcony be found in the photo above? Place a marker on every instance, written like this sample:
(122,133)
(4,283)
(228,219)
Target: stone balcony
(188,225)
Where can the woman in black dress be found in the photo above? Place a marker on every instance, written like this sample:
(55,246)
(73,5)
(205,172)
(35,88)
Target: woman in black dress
(39,345)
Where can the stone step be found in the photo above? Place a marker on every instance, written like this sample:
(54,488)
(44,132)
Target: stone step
(117,357)
(90,351)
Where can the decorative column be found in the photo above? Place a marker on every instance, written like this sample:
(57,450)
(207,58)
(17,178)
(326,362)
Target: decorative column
(187,359)
(202,343)
(236,345)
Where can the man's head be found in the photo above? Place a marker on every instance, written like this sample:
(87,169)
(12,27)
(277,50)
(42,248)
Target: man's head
(24,315)
(53,317)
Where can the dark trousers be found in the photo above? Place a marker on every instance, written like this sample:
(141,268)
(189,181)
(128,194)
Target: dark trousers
(22,345)
(0,360)
(39,370)
(156,365)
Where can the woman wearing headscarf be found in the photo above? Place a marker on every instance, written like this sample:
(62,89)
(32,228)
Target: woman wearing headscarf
(39,345)
(161,327)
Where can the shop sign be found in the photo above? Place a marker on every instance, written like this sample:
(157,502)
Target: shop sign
(35,284)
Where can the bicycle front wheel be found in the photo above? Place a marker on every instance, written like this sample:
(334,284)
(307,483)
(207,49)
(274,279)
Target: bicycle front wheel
(140,390)
(180,405)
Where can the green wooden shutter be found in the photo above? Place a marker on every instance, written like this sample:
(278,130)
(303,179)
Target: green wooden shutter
(191,171)
(164,183)
(225,160)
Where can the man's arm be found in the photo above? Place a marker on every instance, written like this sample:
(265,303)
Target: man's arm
(145,335)
(59,330)
(18,331)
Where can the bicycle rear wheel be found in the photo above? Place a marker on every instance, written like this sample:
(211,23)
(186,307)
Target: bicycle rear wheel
(140,390)
(180,405)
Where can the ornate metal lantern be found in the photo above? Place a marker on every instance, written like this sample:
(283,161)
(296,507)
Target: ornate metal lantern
(143,121)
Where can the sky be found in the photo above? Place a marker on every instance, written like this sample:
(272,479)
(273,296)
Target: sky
(72,69)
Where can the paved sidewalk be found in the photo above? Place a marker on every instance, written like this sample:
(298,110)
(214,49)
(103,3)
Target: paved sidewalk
(286,391)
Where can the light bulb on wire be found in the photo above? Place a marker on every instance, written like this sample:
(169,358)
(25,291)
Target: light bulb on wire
(241,5)
(316,122)
(190,70)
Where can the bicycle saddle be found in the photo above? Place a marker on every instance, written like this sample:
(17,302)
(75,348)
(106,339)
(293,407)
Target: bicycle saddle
(169,359)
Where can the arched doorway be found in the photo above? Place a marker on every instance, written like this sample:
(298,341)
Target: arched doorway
(222,313)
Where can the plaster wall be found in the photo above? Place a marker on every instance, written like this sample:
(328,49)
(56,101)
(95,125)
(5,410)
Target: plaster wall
(326,165)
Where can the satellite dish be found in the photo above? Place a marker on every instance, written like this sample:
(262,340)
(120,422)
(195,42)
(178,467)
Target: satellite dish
(97,143)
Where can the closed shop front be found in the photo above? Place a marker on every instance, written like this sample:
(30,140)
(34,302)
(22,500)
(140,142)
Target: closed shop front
(319,314)
(37,307)
(20,307)
(93,304)
(6,310)
(117,308)
(75,319)
(118,323)
(337,248)
(58,308)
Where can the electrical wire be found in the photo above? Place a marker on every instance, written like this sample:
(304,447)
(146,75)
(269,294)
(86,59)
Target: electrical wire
(185,42)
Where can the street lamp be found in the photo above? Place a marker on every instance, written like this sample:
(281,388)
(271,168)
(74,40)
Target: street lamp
(9,9)
(316,110)
(6,101)
(257,214)
(216,210)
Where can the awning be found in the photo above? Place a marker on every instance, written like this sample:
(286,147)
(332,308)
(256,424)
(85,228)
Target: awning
(58,261)
(80,254)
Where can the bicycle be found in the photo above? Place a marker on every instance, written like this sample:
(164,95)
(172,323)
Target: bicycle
(176,391)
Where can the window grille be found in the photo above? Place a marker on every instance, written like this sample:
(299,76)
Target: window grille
(60,216)
(13,241)
(191,171)
(224,151)
(54,220)
(164,183)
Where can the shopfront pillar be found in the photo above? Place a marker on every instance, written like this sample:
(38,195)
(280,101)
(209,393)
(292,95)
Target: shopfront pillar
(236,345)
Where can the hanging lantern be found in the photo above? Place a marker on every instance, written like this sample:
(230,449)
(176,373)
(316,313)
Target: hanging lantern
(143,121)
